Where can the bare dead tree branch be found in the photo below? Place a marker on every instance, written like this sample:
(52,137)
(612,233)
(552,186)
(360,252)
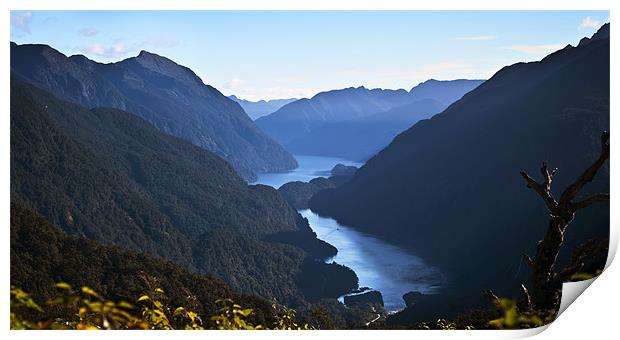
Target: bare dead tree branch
(490,296)
(588,175)
(545,281)
(542,190)
(590,200)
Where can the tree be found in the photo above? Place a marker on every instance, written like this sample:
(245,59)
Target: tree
(545,282)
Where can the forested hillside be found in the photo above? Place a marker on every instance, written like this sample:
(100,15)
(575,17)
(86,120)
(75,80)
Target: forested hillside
(110,176)
(42,255)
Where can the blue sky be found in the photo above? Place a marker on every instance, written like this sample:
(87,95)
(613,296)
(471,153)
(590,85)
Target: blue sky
(281,54)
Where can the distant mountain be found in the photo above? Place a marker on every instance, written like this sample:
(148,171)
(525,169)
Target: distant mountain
(110,176)
(298,118)
(449,187)
(443,91)
(261,108)
(168,95)
(362,138)
(354,123)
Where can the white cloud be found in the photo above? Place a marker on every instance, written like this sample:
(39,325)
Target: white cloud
(120,47)
(21,21)
(88,31)
(536,49)
(115,50)
(477,38)
(588,22)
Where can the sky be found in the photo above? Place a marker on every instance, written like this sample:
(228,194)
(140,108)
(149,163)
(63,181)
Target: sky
(294,54)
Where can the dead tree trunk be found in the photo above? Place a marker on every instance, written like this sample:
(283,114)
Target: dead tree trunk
(545,282)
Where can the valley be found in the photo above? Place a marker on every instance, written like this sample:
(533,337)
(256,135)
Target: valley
(369,186)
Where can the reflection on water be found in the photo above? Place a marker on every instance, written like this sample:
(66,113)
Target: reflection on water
(309,167)
(378,265)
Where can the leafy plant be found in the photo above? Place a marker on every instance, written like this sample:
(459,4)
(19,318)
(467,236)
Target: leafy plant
(512,318)
(88,310)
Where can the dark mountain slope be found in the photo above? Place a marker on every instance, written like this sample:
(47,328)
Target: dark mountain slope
(169,96)
(262,107)
(110,176)
(449,188)
(354,123)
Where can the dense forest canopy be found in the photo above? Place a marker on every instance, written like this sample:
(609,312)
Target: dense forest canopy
(110,176)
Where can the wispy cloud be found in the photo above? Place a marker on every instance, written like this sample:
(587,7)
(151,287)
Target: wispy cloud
(21,20)
(477,38)
(588,22)
(115,50)
(121,48)
(535,49)
(88,31)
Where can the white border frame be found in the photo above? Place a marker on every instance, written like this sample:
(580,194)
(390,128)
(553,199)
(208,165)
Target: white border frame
(596,314)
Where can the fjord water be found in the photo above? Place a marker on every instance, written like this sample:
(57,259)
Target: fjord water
(378,265)
(309,167)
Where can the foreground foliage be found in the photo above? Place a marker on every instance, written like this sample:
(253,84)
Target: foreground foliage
(87,310)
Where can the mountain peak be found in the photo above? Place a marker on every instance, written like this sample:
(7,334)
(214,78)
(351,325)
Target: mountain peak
(146,54)
(160,64)
(602,33)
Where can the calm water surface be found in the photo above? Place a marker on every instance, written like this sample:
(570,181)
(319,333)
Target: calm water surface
(378,265)
(309,167)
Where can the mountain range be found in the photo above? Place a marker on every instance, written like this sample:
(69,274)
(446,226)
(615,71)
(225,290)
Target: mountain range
(262,107)
(169,96)
(355,123)
(449,187)
(109,176)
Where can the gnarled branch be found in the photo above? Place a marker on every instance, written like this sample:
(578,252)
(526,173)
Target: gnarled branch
(590,200)
(548,176)
(544,189)
(545,281)
(588,175)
